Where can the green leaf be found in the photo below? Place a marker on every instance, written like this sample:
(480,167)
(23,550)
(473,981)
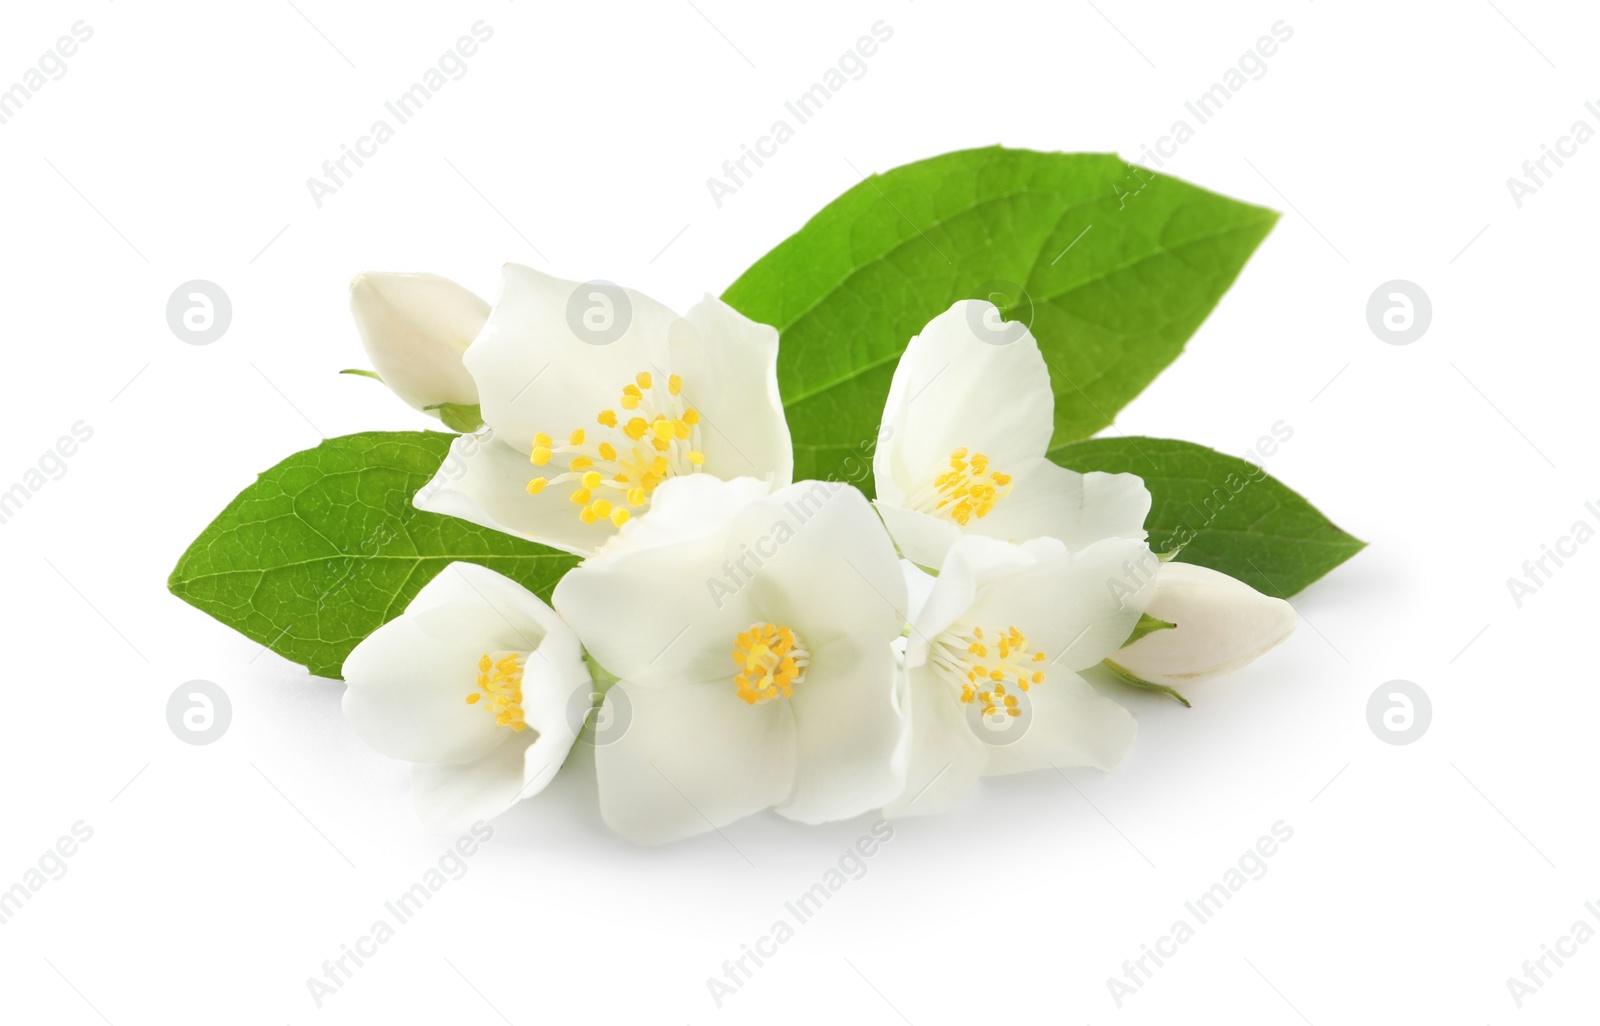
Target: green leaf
(1113,267)
(1124,677)
(1222,512)
(459,416)
(1147,625)
(326,547)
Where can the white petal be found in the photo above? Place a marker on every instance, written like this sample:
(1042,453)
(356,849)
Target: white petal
(1068,724)
(1051,501)
(692,758)
(919,585)
(920,537)
(415,328)
(659,607)
(818,560)
(1223,624)
(946,757)
(1076,607)
(683,509)
(452,797)
(953,389)
(534,362)
(850,732)
(409,680)
(729,367)
(486,482)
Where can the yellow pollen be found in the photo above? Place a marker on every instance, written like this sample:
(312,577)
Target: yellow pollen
(500,688)
(963,655)
(771,661)
(620,463)
(967,490)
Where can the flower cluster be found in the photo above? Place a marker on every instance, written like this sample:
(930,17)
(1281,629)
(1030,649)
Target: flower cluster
(755,642)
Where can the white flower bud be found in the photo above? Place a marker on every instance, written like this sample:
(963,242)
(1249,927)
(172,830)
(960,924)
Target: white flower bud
(1222,625)
(415,328)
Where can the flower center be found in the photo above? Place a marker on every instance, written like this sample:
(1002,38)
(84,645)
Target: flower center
(500,687)
(967,489)
(986,663)
(772,660)
(626,460)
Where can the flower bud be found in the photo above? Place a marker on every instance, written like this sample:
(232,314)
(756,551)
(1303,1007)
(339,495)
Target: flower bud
(1222,625)
(415,328)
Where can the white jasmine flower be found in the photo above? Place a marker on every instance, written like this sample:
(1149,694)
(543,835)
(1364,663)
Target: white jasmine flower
(752,635)
(969,419)
(992,659)
(415,328)
(474,684)
(1221,623)
(594,395)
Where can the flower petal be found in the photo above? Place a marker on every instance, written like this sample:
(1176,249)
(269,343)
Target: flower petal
(1070,724)
(952,389)
(1076,607)
(921,537)
(1047,500)
(449,797)
(415,328)
(729,367)
(1222,625)
(486,482)
(816,558)
(693,758)
(661,607)
(409,680)
(946,758)
(541,363)
(850,748)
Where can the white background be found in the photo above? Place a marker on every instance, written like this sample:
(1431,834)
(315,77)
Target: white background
(219,878)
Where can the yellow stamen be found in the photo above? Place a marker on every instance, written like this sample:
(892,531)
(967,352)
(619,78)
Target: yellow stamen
(621,463)
(772,660)
(961,652)
(500,682)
